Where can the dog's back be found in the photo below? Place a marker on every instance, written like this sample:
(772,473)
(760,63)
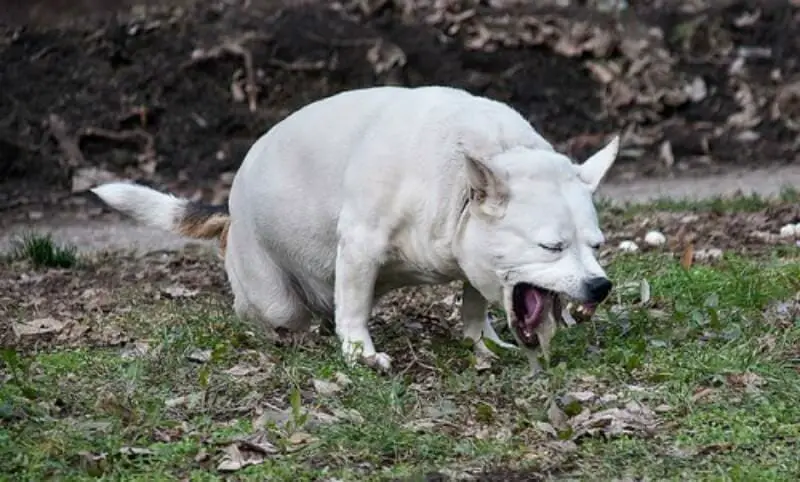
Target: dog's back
(382,153)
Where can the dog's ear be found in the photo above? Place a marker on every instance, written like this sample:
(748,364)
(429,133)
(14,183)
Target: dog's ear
(595,168)
(487,192)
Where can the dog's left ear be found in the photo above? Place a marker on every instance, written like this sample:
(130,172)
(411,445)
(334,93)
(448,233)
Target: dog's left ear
(595,168)
(488,192)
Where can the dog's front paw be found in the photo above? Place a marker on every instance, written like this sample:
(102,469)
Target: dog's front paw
(379,361)
(353,353)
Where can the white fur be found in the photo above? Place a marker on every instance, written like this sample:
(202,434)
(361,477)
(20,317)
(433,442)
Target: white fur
(143,204)
(364,192)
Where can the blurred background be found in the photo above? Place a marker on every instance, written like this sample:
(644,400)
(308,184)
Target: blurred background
(173,93)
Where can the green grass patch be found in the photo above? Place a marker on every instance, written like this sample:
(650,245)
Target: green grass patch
(42,251)
(708,354)
(721,205)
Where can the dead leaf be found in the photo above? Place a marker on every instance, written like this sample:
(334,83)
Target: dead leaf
(241,370)
(135,451)
(750,382)
(324,387)
(714,448)
(687,257)
(634,419)
(545,427)
(563,446)
(72,330)
(135,350)
(384,56)
(199,356)
(557,417)
(350,415)
(580,397)
(342,379)
(666,154)
(702,394)
(178,291)
(39,326)
(246,451)
(299,440)
(202,456)
(189,401)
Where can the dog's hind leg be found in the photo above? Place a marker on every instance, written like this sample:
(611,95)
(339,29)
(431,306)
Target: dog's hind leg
(262,290)
(477,326)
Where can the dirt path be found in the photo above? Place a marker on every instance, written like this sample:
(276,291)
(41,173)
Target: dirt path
(111,232)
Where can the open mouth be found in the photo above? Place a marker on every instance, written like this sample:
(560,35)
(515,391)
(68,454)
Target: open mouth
(531,304)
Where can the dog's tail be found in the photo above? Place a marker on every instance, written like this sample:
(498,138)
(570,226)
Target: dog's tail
(165,211)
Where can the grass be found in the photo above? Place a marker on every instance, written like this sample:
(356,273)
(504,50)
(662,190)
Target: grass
(710,354)
(42,251)
(727,204)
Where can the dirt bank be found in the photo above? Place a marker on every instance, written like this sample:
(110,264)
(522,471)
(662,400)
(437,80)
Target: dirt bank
(174,95)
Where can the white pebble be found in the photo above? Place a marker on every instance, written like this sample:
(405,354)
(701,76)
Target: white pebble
(789,231)
(708,254)
(655,238)
(628,247)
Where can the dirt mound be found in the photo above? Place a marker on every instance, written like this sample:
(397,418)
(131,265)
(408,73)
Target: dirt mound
(174,95)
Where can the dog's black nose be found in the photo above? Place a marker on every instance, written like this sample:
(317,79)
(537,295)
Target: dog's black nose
(597,289)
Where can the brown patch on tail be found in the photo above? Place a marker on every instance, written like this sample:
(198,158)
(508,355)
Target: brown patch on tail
(206,222)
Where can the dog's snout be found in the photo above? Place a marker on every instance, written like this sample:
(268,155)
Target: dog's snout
(597,289)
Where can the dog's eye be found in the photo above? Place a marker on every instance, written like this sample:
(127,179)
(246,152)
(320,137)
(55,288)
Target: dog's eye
(595,246)
(555,248)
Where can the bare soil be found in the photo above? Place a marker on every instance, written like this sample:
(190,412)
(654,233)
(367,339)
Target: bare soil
(174,95)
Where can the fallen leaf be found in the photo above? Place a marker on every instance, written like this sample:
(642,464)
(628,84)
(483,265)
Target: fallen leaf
(178,291)
(199,356)
(348,415)
(135,350)
(702,393)
(545,427)
(241,370)
(747,381)
(714,448)
(271,416)
(40,326)
(342,379)
(634,419)
(687,257)
(563,446)
(202,456)
(300,440)
(188,401)
(246,451)
(324,387)
(135,451)
(557,417)
(581,397)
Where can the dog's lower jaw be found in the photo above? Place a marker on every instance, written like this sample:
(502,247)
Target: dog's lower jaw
(477,325)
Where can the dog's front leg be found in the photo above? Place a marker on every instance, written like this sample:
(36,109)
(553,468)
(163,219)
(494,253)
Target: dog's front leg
(477,326)
(358,260)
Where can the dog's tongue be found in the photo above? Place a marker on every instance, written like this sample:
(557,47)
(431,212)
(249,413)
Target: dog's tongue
(534,303)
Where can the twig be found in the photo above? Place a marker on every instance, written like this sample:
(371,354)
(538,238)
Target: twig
(68,144)
(122,136)
(234,47)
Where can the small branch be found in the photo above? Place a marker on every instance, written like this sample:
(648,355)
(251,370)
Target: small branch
(68,144)
(149,151)
(234,47)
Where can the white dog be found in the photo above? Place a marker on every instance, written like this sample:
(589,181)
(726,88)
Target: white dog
(374,189)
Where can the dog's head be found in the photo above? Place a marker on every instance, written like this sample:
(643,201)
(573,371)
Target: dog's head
(531,234)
